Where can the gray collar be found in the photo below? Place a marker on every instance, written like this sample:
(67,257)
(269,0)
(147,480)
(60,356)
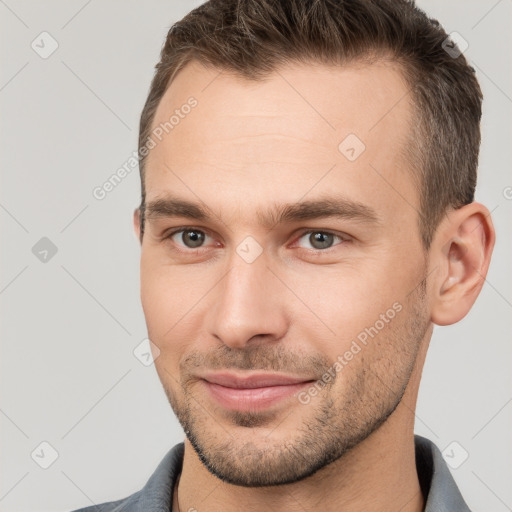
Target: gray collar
(437,483)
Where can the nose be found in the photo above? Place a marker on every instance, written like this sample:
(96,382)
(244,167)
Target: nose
(247,305)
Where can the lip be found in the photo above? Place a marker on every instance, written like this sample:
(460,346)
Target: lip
(254,380)
(253,392)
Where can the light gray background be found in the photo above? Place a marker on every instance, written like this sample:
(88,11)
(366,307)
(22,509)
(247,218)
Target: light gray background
(69,326)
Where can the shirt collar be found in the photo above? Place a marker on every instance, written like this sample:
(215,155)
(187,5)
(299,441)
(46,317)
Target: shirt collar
(437,484)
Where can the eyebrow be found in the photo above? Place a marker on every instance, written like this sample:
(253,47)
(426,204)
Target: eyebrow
(324,207)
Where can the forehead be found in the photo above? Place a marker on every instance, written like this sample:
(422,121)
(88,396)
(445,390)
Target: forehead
(305,129)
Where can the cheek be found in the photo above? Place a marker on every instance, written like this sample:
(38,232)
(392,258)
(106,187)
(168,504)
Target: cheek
(163,310)
(344,301)
(166,294)
(157,301)
(173,299)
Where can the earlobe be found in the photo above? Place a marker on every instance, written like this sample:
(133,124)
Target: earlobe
(462,251)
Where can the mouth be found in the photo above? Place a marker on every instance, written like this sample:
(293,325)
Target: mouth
(253,392)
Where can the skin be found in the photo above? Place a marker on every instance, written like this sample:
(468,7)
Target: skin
(297,307)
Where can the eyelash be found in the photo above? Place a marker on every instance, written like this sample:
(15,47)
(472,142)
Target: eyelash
(342,238)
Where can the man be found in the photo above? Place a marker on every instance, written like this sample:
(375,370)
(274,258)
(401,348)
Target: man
(308,172)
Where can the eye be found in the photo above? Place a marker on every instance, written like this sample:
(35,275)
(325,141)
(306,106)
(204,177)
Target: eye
(191,238)
(321,240)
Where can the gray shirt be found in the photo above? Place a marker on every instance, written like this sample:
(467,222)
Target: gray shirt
(437,484)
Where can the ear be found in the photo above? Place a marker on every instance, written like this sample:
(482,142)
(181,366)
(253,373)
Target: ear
(459,257)
(136,223)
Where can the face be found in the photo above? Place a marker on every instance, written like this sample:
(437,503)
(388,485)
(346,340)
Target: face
(301,261)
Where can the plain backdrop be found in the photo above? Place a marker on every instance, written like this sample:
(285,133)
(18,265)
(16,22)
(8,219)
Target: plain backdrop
(71,322)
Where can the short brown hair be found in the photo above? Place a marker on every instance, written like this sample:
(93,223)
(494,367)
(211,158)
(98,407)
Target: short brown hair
(251,38)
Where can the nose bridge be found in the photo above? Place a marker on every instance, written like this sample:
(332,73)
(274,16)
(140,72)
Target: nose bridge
(246,303)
